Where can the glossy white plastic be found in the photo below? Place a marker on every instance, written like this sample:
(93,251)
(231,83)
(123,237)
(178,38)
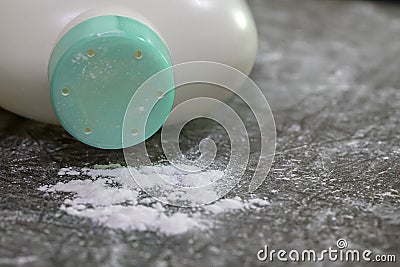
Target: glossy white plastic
(194,30)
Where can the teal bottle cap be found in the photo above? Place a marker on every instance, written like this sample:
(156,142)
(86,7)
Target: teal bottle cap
(95,70)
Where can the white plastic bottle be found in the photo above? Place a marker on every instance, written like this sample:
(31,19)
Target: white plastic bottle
(77,63)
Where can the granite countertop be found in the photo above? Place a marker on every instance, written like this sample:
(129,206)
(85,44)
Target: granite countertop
(331,73)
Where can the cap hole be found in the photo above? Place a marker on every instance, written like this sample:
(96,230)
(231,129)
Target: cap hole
(65,91)
(90,53)
(88,131)
(160,94)
(138,54)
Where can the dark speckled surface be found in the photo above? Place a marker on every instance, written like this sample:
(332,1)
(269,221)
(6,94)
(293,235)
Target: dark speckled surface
(331,71)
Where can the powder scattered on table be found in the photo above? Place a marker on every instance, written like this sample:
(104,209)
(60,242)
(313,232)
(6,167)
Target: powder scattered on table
(108,195)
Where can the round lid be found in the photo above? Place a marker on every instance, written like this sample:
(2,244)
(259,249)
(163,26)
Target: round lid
(95,70)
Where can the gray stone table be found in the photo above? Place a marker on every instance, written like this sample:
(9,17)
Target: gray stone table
(331,72)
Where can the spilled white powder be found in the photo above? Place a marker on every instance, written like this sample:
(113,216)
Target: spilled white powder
(111,198)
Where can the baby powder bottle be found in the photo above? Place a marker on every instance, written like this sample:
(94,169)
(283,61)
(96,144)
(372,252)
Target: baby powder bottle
(78,63)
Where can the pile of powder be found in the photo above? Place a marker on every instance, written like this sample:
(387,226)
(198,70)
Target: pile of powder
(108,195)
